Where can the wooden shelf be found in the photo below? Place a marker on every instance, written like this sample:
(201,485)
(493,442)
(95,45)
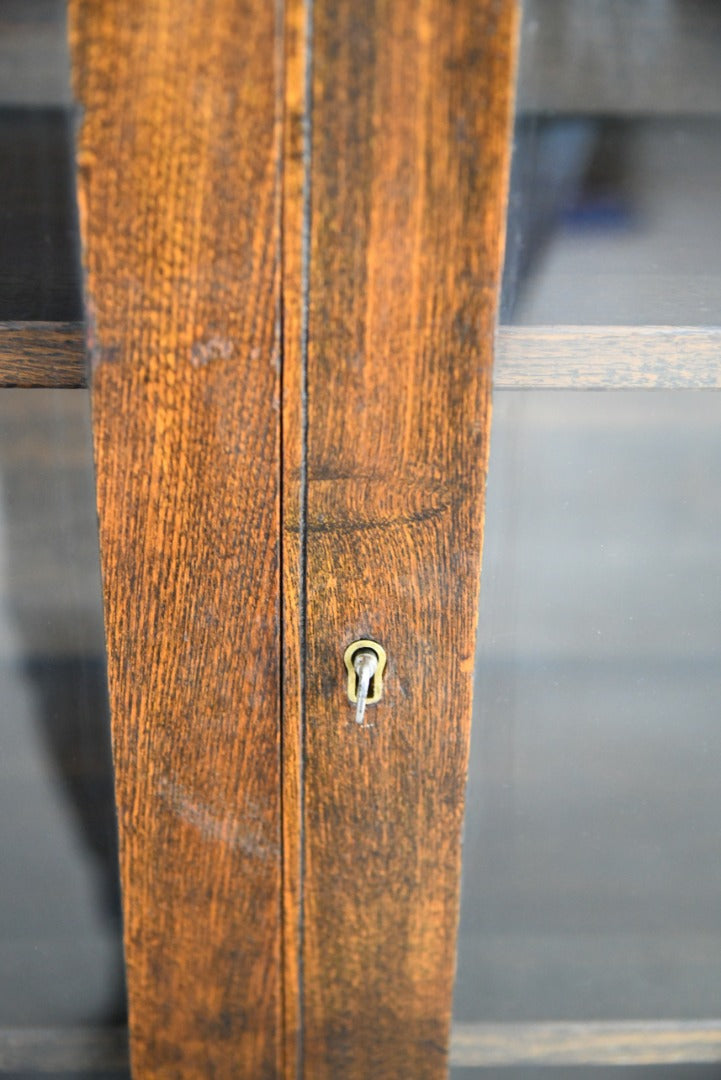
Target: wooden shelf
(42,354)
(621,1043)
(608,358)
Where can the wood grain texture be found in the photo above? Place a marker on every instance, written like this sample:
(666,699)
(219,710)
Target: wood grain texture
(607,357)
(663,1042)
(295,199)
(179,186)
(42,354)
(408,172)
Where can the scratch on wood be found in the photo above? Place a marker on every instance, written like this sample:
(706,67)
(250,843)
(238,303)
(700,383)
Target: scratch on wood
(241,831)
(215,348)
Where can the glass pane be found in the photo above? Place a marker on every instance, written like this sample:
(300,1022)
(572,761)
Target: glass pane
(60,932)
(39,265)
(62,991)
(34,58)
(615,213)
(592,857)
(557,1072)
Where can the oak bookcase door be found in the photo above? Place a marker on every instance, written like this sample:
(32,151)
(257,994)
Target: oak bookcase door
(292,223)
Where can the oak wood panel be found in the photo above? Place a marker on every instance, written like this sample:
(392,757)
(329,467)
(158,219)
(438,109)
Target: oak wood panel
(408,172)
(663,1042)
(607,357)
(42,354)
(179,186)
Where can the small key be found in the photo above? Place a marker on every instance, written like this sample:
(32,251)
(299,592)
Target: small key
(365,664)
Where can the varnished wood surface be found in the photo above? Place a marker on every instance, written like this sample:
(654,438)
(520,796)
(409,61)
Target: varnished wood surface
(179,187)
(663,1042)
(608,357)
(297,44)
(42,354)
(408,169)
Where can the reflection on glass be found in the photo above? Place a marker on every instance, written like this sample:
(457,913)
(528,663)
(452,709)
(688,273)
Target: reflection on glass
(615,212)
(592,858)
(60,934)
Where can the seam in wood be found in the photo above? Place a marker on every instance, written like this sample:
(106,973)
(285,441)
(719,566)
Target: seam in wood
(307,122)
(280,66)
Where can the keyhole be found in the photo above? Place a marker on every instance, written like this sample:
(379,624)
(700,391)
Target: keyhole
(365,662)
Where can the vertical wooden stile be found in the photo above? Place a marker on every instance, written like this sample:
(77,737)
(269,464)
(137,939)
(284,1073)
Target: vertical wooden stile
(179,155)
(295,208)
(408,169)
(254,523)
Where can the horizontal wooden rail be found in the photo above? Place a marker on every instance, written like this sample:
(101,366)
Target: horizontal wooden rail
(607,357)
(640,1042)
(42,354)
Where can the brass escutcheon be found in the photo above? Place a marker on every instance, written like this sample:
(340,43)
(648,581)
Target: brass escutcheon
(375,691)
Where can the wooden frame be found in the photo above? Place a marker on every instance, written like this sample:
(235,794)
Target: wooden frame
(179,188)
(393,166)
(406,171)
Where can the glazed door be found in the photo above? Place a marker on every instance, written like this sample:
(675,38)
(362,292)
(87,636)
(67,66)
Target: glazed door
(292,223)
(589,935)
